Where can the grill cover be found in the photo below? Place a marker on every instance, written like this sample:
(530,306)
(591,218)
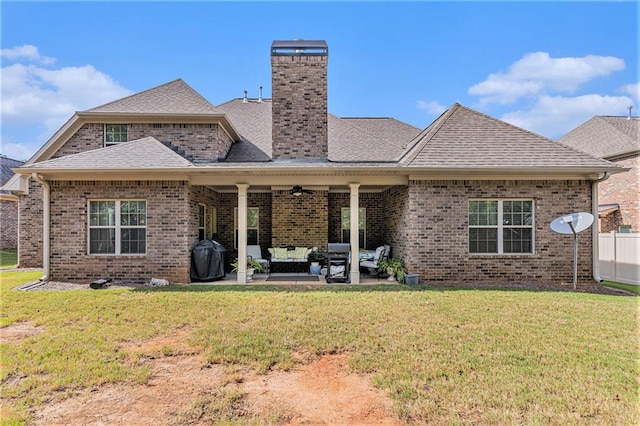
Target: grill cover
(207,261)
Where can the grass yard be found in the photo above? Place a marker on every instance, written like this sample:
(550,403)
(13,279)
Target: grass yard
(8,258)
(442,356)
(628,287)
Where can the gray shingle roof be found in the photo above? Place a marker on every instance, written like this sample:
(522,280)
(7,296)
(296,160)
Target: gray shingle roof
(175,97)
(350,139)
(464,138)
(605,136)
(6,164)
(252,120)
(459,139)
(145,153)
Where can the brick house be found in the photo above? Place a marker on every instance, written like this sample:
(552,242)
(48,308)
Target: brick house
(125,189)
(617,139)
(8,206)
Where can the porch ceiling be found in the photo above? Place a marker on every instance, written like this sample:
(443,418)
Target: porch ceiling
(270,188)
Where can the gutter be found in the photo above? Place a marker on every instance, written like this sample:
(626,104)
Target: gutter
(595,229)
(46,230)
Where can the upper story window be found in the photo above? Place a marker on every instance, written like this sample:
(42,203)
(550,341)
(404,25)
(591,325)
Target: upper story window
(501,226)
(114,133)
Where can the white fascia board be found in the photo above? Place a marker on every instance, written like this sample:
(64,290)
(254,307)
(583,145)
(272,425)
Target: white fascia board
(17,184)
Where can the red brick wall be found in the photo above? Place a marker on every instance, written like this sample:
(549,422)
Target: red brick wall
(623,188)
(299,107)
(375,219)
(300,221)
(610,222)
(227,202)
(429,230)
(30,221)
(170,232)
(397,220)
(8,224)
(88,137)
(203,142)
(200,195)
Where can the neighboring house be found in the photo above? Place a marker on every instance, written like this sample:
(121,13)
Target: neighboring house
(8,206)
(616,139)
(124,190)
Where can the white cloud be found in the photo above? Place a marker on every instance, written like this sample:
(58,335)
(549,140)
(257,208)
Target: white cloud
(19,151)
(538,73)
(431,107)
(632,90)
(554,116)
(26,52)
(36,101)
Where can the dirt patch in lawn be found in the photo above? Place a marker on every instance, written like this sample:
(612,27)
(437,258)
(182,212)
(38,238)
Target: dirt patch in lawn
(15,332)
(184,389)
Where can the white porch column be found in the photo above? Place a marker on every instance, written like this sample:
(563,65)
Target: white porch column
(242,232)
(354,234)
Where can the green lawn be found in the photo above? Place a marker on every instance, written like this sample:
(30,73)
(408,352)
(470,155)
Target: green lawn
(8,258)
(628,287)
(442,356)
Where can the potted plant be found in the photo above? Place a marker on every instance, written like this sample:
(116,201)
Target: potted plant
(252,266)
(395,269)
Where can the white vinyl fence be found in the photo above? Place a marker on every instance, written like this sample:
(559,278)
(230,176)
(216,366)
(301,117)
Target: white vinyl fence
(620,257)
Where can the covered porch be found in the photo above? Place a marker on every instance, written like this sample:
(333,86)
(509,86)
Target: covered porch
(266,211)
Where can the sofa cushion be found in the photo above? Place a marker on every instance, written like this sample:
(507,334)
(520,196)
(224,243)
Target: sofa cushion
(300,253)
(280,252)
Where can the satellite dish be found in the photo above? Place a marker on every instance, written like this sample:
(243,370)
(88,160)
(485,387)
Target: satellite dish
(571,224)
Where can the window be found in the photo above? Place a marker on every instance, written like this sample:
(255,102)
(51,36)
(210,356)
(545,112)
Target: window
(202,220)
(362,225)
(213,222)
(501,226)
(114,134)
(117,227)
(253,226)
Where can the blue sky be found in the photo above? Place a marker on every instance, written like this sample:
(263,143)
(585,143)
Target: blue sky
(544,66)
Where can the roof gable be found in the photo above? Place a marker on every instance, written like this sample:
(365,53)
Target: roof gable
(464,138)
(145,153)
(605,136)
(175,97)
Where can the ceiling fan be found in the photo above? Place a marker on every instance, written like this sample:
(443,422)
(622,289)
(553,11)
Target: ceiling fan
(297,191)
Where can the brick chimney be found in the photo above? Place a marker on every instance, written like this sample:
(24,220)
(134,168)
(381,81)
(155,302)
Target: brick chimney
(299,99)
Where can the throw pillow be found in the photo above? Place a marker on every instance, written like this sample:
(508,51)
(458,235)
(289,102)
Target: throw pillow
(300,253)
(280,252)
(378,254)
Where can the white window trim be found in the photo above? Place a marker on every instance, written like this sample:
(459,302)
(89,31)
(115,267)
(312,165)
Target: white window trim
(235,225)
(364,210)
(105,133)
(212,225)
(117,227)
(202,228)
(500,226)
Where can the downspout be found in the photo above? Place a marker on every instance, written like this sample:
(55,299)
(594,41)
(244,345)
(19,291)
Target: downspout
(46,224)
(595,229)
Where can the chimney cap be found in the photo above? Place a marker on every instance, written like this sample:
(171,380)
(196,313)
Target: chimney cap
(299,48)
